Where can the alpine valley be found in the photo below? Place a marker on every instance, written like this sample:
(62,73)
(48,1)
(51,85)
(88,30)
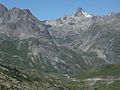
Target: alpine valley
(78,52)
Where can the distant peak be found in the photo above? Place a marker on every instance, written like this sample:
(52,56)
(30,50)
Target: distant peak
(80,12)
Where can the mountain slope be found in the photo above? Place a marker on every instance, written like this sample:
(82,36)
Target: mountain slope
(12,78)
(96,34)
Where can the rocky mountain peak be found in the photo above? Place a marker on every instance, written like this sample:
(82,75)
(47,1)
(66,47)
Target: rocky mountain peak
(18,11)
(78,12)
(15,10)
(81,13)
(79,9)
(2,7)
(27,11)
(3,10)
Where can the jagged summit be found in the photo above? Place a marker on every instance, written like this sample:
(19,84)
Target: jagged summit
(14,11)
(79,9)
(2,7)
(19,11)
(27,11)
(19,23)
(3,10)
(78,16)
(80,12)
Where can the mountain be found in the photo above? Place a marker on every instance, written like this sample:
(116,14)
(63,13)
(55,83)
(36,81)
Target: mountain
(96,37)
(69,45)
(56,54)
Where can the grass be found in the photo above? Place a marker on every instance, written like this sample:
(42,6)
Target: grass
(104,86)
(104,70)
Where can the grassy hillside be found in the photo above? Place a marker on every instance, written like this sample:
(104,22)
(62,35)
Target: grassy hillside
(113,85)
(12,78)
(104,71)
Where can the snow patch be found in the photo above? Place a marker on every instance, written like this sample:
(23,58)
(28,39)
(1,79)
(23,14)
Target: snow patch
(86,14)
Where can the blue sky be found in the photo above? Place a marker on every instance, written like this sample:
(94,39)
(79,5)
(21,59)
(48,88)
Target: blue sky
(52,9)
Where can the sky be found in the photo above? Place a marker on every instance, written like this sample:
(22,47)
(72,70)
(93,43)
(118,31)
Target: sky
(52,9)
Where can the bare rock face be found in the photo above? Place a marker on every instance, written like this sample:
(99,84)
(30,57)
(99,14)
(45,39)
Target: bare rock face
(79,12)
(3,10)
(20,23)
